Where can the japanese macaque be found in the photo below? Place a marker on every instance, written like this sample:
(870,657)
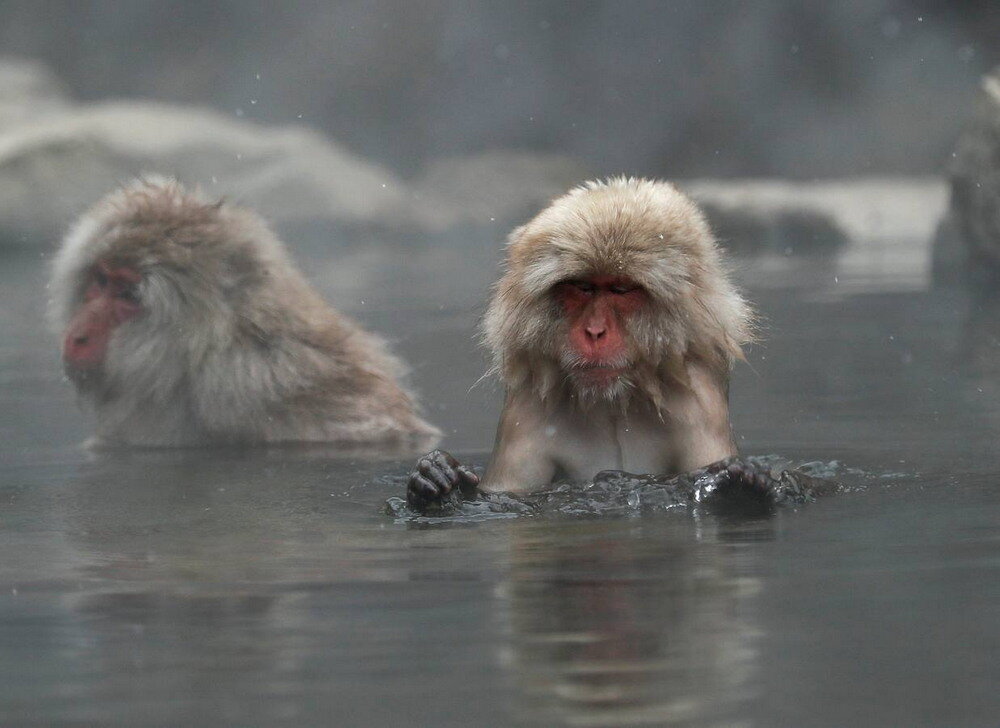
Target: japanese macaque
(613,329)
(184,322)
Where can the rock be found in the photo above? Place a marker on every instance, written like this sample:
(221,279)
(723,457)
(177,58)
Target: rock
(745,229)
(58,157)
(54,167)
(756,216)
(975,178)
(55,164)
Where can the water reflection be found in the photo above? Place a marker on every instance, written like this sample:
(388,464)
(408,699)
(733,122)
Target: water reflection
(634,622)
(198,515)
(196,587)
(134,638)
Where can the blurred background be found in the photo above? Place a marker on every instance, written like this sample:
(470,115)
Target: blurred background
(678,89)
(366,121)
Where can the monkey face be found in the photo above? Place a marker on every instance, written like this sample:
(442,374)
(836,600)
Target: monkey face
(597,311)
(110,298)
(609,292)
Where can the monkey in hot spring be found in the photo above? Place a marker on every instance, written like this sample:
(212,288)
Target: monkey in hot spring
(613,330)
(184,322)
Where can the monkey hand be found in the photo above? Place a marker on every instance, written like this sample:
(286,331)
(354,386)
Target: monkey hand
(744,481)
(437,476)
(738,477)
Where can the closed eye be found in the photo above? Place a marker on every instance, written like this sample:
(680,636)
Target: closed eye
(622,289)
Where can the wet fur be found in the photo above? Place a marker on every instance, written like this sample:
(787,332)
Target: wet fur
(648,231)
(234,345)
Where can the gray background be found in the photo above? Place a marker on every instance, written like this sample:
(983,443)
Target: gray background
(680,89)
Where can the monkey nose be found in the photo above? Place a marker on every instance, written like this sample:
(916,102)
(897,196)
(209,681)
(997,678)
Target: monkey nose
(74,345)
(82,350)
(595,332)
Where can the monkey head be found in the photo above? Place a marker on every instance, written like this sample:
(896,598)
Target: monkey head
(149,281)
(185,322)
(608,291)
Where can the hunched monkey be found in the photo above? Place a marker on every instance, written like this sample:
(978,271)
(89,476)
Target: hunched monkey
(613,330)
(184,322)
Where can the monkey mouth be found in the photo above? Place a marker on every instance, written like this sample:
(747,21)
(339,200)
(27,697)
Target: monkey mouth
(83,376)
(599,374)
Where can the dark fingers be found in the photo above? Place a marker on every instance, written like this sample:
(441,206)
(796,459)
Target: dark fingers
(420,491)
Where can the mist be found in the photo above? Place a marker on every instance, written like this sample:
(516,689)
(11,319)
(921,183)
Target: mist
(680,89)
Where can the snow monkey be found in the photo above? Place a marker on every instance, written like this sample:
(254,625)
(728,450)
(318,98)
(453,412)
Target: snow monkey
(613,330)
(184,322)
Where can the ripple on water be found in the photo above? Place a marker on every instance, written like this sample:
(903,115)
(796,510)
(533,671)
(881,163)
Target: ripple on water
(617,493)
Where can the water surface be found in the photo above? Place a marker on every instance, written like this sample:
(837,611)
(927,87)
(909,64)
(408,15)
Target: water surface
(240,587)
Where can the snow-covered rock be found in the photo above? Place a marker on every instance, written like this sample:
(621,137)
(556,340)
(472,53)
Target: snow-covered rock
(58,164)
(872,233)
(830,211)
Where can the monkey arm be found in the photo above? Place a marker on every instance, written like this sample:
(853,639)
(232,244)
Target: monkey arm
(521,458)
(704,434)
(517,465)
(703,447)
(512,468)
(519,461)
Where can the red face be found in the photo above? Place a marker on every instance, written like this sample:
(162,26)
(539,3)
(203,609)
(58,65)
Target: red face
(109,300)
(598,310)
